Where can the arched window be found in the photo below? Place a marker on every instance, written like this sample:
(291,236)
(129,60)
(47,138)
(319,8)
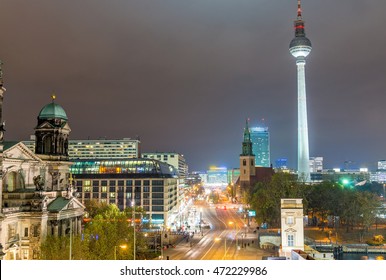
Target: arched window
(47,144)
(244,162)
(61,146)
(66,147)
(11,181)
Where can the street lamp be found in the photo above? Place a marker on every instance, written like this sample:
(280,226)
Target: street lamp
(202,234)
(124,246)
(133,221)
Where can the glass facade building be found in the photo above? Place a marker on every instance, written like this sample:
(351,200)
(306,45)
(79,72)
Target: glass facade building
(151,184)
(261,146)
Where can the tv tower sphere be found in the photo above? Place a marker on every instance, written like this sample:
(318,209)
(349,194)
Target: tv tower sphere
(300,46)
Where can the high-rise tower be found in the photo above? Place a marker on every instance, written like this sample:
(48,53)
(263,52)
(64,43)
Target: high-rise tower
(260,145)
(300,47)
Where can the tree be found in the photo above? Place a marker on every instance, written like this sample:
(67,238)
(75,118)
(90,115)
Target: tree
(101,238)
(323,200)
(265,197)
(368,205)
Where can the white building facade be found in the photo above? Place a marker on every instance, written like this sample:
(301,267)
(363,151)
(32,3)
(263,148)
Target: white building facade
(175,159)
(102,148)
(292,228)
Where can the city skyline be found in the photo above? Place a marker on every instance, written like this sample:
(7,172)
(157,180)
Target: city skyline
(184,76)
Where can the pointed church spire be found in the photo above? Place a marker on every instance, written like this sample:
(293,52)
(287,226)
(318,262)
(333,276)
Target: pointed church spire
(247,143)
(247,133)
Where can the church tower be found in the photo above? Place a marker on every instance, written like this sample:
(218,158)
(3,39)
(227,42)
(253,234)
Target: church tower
(51,144)
(247,158)
(52,133)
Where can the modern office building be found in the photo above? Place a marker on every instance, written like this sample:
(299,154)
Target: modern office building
(193,178)
(382,164)
(217,176)
(349,177)
(281,163)
(316,164)
(261,146)
(175,159)
(300,47)
(151,184)
(379,175)
(99,149)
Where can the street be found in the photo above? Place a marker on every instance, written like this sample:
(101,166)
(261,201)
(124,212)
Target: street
(228,237)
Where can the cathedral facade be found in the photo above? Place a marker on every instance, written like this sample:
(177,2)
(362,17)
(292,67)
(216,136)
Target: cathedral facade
(37,193)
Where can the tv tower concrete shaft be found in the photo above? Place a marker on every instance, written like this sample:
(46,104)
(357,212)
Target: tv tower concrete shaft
(300,48)
(303,147)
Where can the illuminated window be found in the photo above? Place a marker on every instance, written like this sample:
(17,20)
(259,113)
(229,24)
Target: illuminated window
(104,189)
(112,195)
(87,183)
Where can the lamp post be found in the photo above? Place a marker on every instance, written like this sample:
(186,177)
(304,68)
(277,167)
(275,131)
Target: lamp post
(384,197)
(115,250)
(70,257)
(133,220)
(202,234)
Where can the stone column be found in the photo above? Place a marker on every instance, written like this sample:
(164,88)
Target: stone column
(55,224)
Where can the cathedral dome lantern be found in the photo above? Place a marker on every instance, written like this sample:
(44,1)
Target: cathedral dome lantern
(52,132)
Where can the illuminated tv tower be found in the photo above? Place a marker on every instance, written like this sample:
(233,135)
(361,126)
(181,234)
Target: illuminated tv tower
(300,47)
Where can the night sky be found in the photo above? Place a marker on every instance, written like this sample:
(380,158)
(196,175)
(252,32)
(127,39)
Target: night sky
(184,75)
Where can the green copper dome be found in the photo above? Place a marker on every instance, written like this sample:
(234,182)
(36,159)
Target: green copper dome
(52,111)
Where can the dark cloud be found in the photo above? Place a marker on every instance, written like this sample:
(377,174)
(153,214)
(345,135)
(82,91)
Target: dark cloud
(184,75)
